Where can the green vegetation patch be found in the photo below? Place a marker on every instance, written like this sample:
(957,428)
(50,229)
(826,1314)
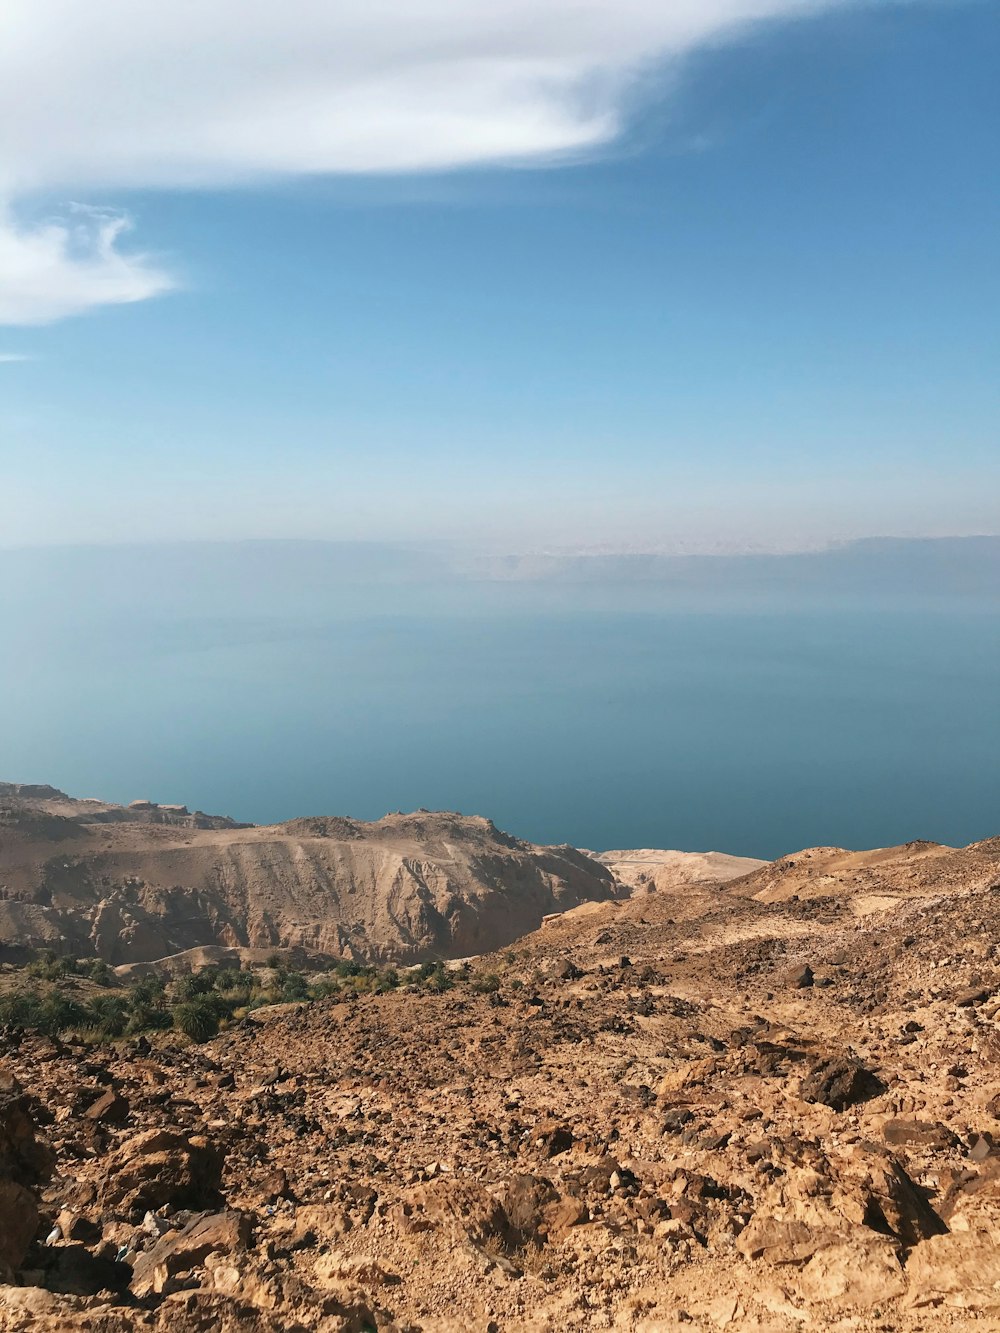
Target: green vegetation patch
(60,995)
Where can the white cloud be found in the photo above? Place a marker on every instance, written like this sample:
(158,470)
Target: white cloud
(120,93)
(125,94)
(9,358)
(66,267)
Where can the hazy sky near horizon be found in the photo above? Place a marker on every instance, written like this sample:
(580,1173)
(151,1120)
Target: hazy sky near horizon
(664,270)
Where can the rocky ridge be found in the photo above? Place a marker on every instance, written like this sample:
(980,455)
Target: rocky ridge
(138,883)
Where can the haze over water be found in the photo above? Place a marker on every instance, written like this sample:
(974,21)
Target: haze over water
(268,681)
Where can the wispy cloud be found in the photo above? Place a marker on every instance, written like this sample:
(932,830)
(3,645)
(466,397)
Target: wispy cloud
(68,266)
(115,94)
(8,358)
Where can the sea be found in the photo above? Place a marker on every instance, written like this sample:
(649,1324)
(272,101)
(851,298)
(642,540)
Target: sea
(610,716)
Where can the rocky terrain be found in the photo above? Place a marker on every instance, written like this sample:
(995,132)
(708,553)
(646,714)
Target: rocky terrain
(646,869)
(143,882)
(767,1103)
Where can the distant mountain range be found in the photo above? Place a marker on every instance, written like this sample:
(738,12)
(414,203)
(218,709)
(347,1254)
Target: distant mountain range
(296,577)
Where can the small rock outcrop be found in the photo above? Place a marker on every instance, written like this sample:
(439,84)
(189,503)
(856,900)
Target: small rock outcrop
(162,1168)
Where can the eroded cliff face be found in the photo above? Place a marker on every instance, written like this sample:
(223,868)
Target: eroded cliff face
(152,884)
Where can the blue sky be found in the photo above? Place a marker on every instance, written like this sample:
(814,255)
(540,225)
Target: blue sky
(734,286)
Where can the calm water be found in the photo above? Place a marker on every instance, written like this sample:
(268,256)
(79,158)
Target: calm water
(752,733)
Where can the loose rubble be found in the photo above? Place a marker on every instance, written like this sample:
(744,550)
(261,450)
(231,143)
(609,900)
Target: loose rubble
(634,1119)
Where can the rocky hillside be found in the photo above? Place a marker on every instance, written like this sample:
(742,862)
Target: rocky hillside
(142,882)
(709,1108)
(649,869)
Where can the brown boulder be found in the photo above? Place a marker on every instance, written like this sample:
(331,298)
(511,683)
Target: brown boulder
(553,1137)
(856,1272)
(690,1074)
(782,1240)
(982,1146)
(22,1157)
(110,1109)
(162,1166)
(961,1270)
(19,1222)
(893,1204)
(75,1226)
(73,1270)
(526,1203)
(179,1251)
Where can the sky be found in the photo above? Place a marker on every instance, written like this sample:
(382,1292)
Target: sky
(699,272)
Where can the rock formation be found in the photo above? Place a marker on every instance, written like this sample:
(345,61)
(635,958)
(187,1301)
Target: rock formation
(132,884)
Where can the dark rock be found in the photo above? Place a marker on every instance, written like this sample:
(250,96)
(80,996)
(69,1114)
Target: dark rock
(74,1271)
(110,1109)
(675,1119)
(716,1142)
(553,1138)
(25,1163)
(563,969)
(918,1134)
(981,1147)
(840,1083)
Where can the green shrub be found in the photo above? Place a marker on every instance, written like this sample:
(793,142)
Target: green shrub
(485,983)
(146,1016)
(108,1015)
(440,979)
(192,985)
(146,990)
(48,966)
(99,972)
(21,1008)
(322,990)
(58,1012)
(295,987)
(197,1018)
(233,981)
